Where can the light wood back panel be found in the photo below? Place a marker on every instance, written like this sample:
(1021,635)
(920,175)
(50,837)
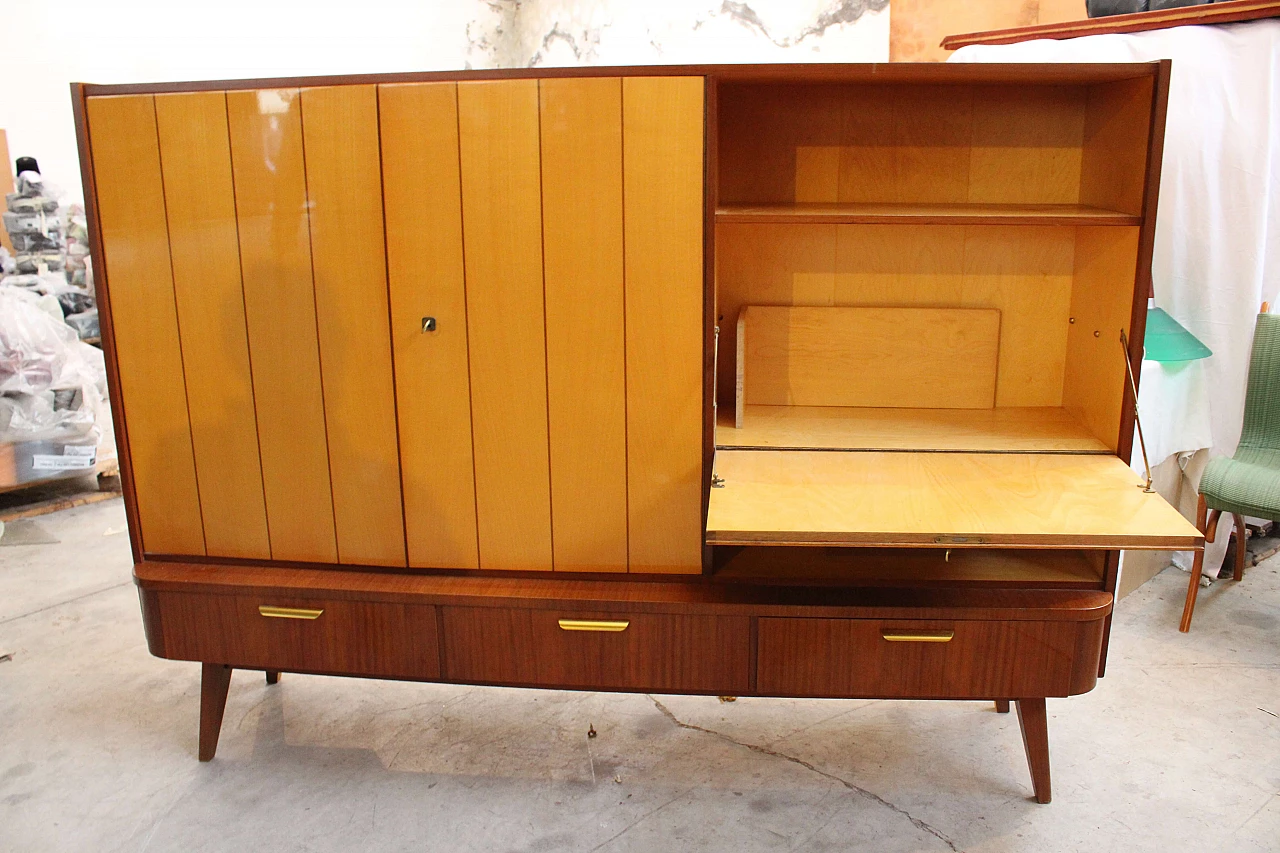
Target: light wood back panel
(946,500)
(1117,131)
(135,244)
(1026,144)
(344,190)
(581,127)
(279,303)
(1024,272)
(941,358)
(1102,302)
(502,230)
(900,143)
(423,202)
(200,202)
(662,129)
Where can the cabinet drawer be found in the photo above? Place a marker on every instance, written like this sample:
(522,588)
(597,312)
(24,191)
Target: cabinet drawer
(293,633)
(927,659)
(598,650)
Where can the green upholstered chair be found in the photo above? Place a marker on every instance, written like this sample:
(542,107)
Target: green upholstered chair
(1249,482)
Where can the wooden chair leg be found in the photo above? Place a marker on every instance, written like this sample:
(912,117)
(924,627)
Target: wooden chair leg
(1035,739)
(1197,566)
(273,676)
(1242,549)
(214,681)
(1002,706)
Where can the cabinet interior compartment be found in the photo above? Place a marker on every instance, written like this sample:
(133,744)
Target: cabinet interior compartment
(907,567)
(1024,200)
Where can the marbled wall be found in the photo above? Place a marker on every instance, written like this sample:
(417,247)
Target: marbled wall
(542,33)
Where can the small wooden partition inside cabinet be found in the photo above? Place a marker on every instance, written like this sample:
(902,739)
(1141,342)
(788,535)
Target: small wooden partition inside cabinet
(739,380)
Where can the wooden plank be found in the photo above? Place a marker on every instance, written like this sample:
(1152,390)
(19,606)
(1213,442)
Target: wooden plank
(135,244)
(879,357)
(867,213)
(581,129)
(952,500)
(502,229)
(279,302)
(423,202)
(662,121)
(1117,128)
(903,265)
(1137,22)
(1025,272)
(1094,380)
(1026,145)
(195,157)
(785,264)
(1023,430)
(344,192)
(905,143)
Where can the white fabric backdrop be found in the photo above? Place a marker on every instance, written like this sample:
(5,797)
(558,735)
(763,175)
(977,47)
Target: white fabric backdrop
(1217,247)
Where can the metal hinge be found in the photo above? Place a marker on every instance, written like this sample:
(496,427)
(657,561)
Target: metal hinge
(1133,386)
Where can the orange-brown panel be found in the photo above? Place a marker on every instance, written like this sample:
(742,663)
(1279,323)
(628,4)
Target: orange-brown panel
(586,363)
(135,245)
(662,126)
(423,202)
(275,259)
(502,229)
(201,209)
(348,254)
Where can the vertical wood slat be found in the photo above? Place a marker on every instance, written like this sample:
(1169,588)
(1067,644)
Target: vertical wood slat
(581,129)
(195,157)
(502,232)
(662,173)
(348,254)
(423,204)
(279,301)
(135,244)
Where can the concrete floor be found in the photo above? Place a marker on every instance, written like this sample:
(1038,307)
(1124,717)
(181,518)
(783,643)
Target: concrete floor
(1177,749)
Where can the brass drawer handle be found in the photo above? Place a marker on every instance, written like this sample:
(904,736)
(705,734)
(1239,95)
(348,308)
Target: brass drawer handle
(918,636)
(593,625)
(288,612)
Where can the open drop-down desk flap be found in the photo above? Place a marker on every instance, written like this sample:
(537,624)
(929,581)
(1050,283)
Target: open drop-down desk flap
(1016,500)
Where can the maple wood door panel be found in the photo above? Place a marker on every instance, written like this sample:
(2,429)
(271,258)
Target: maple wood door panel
(144,322)
(280,314)
(663,129)
(348,255)
(506,322)
(204,248)
(423,203)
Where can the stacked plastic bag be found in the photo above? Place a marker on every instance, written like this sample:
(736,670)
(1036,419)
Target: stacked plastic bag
(54,414)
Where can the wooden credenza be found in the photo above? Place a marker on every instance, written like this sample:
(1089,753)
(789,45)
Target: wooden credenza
(744,380)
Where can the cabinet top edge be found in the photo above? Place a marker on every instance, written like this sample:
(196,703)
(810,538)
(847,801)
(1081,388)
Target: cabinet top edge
(869,72)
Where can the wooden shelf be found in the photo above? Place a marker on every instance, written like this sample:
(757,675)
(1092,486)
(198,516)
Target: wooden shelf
(1137,22)
(909,567)
(1020,430)
(925,214)
(938,500)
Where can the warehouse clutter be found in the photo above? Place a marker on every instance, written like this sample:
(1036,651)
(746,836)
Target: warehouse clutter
(54,416)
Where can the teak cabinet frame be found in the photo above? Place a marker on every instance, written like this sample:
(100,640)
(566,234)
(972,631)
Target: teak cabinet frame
(887,623)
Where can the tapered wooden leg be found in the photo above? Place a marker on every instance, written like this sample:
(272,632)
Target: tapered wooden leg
(1197,566)
(1242,549)
(214,681)
(1002,706)
(273,676)
(1035,739)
